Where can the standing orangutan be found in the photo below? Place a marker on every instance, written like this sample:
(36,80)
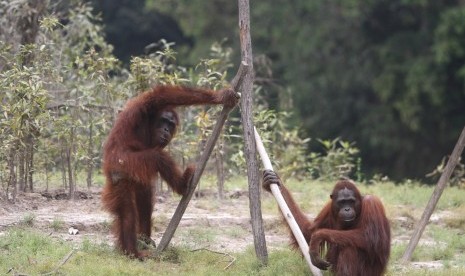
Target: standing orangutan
(134,154)
(354,227)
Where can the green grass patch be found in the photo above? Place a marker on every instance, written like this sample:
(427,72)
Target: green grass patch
(23,250)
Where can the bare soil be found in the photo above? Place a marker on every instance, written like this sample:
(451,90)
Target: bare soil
(228,220)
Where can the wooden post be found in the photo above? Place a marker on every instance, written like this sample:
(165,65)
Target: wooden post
(285,209)
(200,166)
(448,170)
(248,130)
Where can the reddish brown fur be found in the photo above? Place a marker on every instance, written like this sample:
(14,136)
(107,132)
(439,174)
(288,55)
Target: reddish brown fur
(361,249)
(132,159)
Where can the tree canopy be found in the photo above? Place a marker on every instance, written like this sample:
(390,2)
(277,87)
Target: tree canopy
(382,79)
(386,74)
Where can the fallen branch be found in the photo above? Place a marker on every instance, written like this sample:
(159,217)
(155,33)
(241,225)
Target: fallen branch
(200,166)
(232,258)
(63,262)
(284,208)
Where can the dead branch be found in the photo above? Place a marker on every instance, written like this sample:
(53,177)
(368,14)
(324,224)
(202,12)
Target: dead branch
(231,258)
(63,262)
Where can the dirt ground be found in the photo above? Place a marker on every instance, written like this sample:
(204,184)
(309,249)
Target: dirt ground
(54,215)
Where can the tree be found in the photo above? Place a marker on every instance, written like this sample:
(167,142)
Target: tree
(370,72)
(248,134)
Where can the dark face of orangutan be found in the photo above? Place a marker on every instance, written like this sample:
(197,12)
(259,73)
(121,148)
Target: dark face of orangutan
(346,206)
(165,128)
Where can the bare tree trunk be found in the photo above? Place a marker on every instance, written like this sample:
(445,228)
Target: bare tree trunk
(26,166)
(12,181)
(26,163)
(46,177)
(21,170)
(90,154)
(2,181)
(71,178)
(219,168)
(201,148)
(442,182)
(63,167)
(30,163)
(70,174)
(249,138)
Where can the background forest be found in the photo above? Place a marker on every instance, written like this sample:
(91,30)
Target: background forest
(385,74)
(363,88)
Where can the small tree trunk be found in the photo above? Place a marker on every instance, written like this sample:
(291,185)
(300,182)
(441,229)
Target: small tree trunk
(70,174)
(12,181)
(201,146)
(21,174)
(46,177)
(72,180)
(90,154)
(220,168)
(26,167)
(249,138)
(63,168)
(30,163)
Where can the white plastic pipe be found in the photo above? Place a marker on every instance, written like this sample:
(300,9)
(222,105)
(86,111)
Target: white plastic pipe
(284,208)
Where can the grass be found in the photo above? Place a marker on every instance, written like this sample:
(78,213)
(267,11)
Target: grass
(27,220)
(57,224)
(26,250)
